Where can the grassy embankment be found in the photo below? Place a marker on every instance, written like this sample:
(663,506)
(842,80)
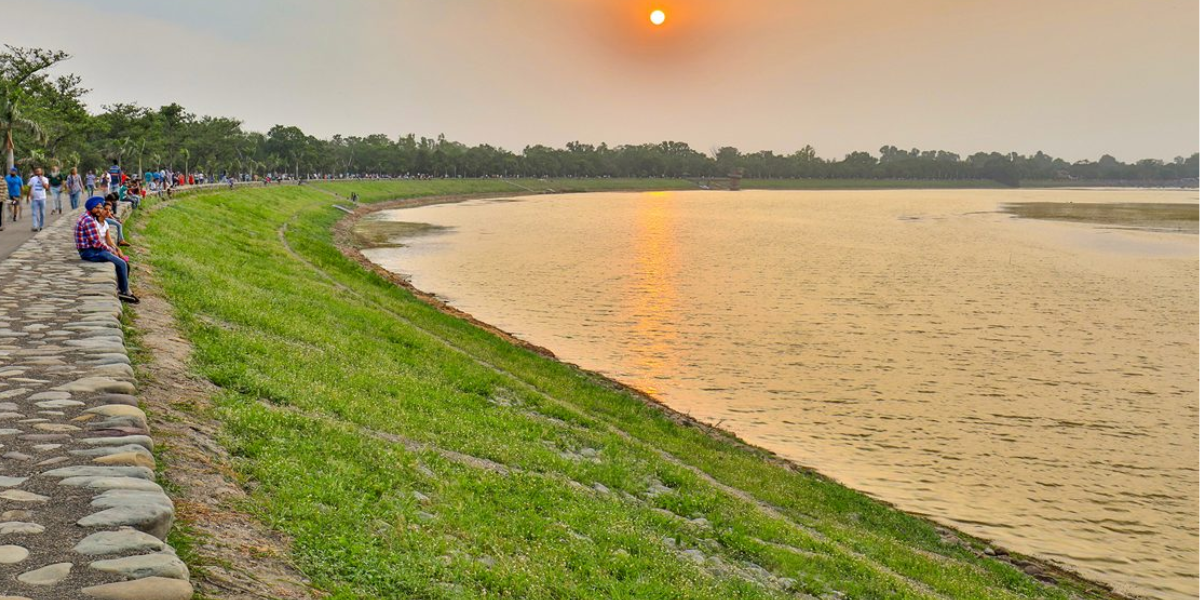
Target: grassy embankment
(411,454)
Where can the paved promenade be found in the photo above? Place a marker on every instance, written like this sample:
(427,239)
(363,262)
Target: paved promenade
(80,513)
(16,234)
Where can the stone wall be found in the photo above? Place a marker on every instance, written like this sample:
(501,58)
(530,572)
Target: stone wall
(81,515)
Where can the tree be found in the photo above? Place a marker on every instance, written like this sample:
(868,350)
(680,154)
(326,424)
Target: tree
(18,67)
(45,119)
(12,119)
(288,144)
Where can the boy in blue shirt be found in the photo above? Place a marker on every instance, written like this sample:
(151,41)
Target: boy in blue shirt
(14,184)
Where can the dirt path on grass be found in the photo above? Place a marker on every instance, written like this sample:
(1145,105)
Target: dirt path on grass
(232,555)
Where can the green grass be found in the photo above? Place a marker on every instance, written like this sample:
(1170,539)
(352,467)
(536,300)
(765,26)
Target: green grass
(410,454)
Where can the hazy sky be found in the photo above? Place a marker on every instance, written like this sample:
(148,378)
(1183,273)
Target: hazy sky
(1075,78)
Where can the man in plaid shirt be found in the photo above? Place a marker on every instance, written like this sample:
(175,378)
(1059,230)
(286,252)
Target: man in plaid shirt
(94,244)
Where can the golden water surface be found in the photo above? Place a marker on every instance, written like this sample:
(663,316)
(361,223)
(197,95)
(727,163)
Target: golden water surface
(1031,382)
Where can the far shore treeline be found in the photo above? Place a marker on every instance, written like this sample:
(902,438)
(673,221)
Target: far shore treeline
(45,123)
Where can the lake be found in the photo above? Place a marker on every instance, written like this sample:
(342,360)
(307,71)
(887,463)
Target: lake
(1032,381)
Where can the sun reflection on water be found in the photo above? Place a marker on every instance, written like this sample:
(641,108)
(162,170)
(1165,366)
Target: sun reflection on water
(651,295)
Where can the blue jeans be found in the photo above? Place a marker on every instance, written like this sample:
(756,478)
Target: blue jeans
(96,255)
(38,208)
(57,193)
(74,200)
(115,224)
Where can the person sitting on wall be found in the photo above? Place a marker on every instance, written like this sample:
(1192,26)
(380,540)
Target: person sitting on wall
(94,245)
(111,220)
(132,193)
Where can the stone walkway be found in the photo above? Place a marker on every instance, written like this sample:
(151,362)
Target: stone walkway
(80,513)
(16,234)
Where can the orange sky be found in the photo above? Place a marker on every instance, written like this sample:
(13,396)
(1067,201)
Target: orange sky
(1074,78)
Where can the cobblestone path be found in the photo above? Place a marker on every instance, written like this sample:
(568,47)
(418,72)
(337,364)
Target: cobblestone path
(81,515)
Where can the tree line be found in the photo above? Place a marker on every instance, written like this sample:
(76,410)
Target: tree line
(45,122)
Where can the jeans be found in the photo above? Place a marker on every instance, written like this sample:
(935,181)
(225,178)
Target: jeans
(57,193)
(115,224)
(96,255)
(74,200)
(38,208)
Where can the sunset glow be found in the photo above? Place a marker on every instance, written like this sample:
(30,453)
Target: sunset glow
(658,17)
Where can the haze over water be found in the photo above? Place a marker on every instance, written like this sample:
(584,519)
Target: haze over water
(1030,382)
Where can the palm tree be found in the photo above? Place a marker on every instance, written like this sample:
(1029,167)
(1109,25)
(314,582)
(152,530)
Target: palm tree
(25,63)
(36,158)
(141,151)
(187,155)
(70,159)
(12,119)
(118,148)
(156,160)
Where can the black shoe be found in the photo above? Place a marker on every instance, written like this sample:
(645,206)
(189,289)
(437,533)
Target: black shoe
(128,298)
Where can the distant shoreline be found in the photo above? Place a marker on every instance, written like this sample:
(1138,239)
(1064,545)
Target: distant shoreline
(941,184)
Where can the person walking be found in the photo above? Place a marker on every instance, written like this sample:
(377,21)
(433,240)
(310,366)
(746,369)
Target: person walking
(56,189)
(114,176)
(90,183)
(14,184)
(74,187)
(93,244)
(39,186)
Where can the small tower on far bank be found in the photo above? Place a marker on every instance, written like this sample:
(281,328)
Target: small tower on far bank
(735,179)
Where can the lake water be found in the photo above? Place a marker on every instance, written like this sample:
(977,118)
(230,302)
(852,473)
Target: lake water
(1031,382)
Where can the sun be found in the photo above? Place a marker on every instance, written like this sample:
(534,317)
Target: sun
(658,17)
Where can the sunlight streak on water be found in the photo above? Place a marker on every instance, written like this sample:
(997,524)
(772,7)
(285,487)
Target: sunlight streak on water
(1030,382)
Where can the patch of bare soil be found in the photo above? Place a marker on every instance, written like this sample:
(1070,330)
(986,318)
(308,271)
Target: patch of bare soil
(234,556)
(373,233)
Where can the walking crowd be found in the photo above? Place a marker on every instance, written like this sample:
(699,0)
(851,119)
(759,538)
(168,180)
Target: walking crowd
(99,233)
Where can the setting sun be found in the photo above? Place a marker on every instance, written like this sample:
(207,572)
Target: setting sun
(658,17)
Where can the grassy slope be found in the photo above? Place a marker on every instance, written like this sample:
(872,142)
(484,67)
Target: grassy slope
(344,397)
